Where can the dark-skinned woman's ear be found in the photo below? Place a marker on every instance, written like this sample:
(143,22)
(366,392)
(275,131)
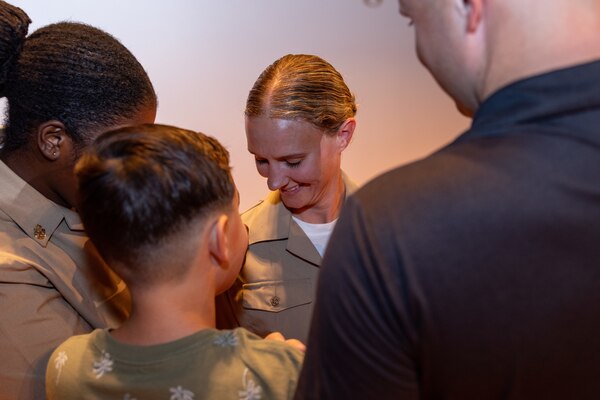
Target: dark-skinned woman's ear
(51,135)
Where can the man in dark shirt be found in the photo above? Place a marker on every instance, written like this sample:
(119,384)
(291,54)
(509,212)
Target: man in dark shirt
(475,272)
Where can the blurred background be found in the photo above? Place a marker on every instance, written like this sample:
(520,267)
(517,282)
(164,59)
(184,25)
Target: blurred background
(203,57)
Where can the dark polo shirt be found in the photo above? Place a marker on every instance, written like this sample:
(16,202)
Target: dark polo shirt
(475,272)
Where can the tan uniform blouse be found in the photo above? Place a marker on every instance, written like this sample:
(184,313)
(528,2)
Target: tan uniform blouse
(276,287)
(52,285)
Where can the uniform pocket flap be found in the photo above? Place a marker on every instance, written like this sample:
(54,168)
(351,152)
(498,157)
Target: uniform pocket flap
(276,296)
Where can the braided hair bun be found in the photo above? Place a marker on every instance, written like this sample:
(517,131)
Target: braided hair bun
(14,24)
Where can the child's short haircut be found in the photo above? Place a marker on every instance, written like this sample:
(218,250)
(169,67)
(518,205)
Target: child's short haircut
(140,185)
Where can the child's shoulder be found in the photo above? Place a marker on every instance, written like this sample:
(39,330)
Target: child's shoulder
(76,346)
(259,348)
(83,339)
(66,360)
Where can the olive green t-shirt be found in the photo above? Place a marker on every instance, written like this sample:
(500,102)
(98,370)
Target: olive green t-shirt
(210,364)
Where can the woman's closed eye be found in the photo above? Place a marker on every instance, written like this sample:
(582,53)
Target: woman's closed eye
(293,164)
(288,163)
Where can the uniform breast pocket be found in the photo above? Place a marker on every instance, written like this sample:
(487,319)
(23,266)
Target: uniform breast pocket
(276,296)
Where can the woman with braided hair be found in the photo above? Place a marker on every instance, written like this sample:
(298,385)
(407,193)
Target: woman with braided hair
(65,84)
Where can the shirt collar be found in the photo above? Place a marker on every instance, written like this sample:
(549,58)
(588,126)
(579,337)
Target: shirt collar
(35,214)
(274,219)
(563,99)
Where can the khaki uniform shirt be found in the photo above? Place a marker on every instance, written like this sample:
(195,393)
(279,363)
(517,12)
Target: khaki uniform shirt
(52,285)
(276,287)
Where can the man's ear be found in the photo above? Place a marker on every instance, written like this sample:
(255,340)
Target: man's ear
(345,132)
(218,245)
(51,136)
(474,9)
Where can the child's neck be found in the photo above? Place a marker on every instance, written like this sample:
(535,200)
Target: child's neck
(164,315)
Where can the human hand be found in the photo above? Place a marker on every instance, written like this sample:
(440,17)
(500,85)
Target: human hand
(292,342)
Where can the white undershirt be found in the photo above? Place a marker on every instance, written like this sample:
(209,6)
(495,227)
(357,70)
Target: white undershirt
(318,234)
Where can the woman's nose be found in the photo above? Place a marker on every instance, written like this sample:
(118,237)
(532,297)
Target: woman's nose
(276,179)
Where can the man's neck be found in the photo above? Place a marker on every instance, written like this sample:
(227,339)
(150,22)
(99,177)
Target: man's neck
(546,37)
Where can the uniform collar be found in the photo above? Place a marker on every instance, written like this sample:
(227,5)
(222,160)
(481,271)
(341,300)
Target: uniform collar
(274,219)
(35,214)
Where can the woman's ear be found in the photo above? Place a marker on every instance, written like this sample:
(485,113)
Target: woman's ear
(51,136)
(345,132)
(218,245)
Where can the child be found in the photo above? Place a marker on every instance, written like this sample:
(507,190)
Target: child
(161,207)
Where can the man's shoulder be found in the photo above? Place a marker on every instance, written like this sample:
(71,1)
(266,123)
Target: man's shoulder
(411,180)
(438,185)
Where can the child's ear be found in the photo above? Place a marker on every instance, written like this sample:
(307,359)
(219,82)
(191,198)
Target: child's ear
(218,245)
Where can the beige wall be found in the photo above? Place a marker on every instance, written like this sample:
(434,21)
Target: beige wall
(203,56)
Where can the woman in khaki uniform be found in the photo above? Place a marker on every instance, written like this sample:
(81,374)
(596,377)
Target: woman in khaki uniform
(299,119)
(64,85)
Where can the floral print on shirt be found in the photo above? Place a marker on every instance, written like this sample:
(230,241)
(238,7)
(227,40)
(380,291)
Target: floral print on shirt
(104,365)
(227,339)
(180,393)
(251,391)
(59,362)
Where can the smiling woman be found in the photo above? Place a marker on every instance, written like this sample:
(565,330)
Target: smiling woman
(299,120)
(302,163)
